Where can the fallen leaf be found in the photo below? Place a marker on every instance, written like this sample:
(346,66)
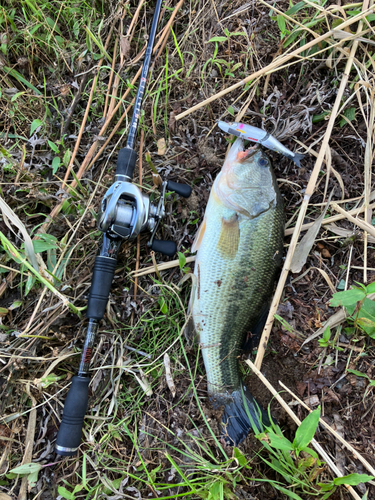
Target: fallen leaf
(124,47)
(304,246)
(162,147)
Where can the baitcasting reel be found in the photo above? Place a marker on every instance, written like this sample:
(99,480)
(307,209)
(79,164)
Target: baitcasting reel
(126,212)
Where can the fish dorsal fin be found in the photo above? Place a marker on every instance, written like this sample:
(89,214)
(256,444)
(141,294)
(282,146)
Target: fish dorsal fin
(229,237)
(199,236)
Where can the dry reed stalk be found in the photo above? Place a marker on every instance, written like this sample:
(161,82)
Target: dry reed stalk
(315,444)
(328,220)
(356,453)
(309,191)
(275,65)
(110,79)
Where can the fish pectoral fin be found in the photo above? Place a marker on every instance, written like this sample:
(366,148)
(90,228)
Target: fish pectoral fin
(229,237)
(191,335)
(199,236)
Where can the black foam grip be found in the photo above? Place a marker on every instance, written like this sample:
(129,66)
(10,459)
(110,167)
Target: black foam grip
(181,189)
(70,432)
(165,247)
(126,160)
(102,277)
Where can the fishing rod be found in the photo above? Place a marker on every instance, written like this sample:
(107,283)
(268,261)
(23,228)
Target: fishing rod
(125,212)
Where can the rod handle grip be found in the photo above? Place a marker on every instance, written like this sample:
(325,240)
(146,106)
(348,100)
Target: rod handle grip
(70,431)
(102,277)
(126,160)
(181,189)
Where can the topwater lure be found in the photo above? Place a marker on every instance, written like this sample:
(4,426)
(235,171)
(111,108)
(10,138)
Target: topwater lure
(259,136)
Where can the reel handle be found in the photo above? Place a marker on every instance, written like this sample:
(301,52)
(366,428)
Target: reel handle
(181,189)
(165,247)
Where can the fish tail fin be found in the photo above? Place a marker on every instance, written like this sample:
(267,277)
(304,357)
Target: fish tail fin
(297,159)
(241,414)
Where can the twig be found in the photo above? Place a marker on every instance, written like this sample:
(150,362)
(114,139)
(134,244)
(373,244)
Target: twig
(274,65)
(356,454)
(76,100)
(309,191)
(161,267)
(316,445)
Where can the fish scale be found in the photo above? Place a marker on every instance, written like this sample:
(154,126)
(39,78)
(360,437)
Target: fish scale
(239,253)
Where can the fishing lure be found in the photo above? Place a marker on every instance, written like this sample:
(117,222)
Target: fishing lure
(259,136)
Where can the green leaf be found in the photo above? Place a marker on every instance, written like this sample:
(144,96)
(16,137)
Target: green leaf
(27,469)
(349,115)
(347,298)
(281,24)
(326,486)
(34,125)
(279,442)
(231,110)
(218,39)
(327,334)
(43,246)
(163,306)
(66,158)
(181,260)
(370,288)
(65,493)
(21,79)
(53,146)
(366,317)
(352,479)
(55,164)
(241,458)
(29,283)
(287,492)
(306,430)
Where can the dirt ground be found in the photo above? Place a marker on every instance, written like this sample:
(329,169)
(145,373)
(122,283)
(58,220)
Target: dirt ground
(127,431)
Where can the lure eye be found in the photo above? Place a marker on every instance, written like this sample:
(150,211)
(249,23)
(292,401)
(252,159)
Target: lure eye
(262,162)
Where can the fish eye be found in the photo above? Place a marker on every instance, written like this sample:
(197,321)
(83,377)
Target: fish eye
(262,162)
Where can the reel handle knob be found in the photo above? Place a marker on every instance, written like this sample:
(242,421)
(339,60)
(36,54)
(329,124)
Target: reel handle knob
(181,189)
(165,247)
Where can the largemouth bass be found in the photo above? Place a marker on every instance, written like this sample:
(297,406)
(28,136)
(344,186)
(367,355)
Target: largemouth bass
(255,134)
(239,244)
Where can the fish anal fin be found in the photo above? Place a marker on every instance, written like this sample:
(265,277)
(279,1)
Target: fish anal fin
(229,237)
(199,236)
(252,338)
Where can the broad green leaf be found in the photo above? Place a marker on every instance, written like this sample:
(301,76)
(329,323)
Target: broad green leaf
(298,6)
(53,146)
(26,469)
(347,298)
(29,283)
(281,24)
(163,306)
(366,317)
(181,260)
(34,125)
(327,334)
(306,430)
(218,39)
(279,442)
(353,479)
(55,164)
(65,493)
(42,246)
(349,115)
(66,158)
(370,288)
(326,486)
(240,457)
(231,110)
